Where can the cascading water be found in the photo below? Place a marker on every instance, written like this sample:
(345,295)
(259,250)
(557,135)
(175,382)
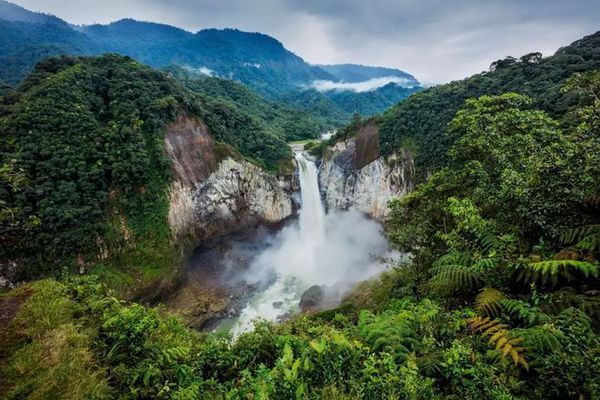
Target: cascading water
(312,214)
(317,249)
(283,295)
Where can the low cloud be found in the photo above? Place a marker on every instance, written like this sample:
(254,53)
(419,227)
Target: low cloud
(200,70)
(365,86)
(436,41)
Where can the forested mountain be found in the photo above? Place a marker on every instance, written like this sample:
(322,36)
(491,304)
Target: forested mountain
(279,119)
(255,59)
(371,102)
(88,134)
(421,123)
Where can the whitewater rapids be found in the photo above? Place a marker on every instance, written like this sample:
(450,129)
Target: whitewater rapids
(318,249)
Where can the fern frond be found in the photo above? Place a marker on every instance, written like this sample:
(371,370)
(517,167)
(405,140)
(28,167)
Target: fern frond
(487,242)
(499,337)
(550,271)
(453,258)
(484,264)
(541,340)
(488,301)
(574,316)
(579,233)
(430,364)
(387,333)
(524,311)
(448,279)
(590,243)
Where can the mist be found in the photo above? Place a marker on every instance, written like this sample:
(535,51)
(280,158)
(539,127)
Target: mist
(350,251)
(333,251)
(366,86)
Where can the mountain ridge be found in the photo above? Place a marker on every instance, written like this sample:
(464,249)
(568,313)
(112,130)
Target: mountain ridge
(252,58)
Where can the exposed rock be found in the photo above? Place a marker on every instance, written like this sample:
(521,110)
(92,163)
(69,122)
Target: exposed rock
(277,304)
(216,192)
(321,297)
(191,150)
(312,297)
(353,174)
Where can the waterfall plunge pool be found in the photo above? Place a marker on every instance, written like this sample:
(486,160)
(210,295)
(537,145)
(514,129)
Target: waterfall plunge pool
(262,273)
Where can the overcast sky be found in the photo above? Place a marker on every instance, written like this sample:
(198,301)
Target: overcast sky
(435,40)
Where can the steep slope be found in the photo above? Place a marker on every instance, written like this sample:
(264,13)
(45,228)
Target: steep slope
(279,119)
(93,141)
(421,122)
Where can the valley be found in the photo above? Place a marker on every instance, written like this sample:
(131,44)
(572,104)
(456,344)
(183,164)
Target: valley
(206,215)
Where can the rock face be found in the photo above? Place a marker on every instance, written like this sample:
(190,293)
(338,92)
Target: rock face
(353,174)
(216,191)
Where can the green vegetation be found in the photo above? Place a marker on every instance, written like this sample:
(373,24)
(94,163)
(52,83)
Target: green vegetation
(87,136)
(421,123)
(276,118)
(499,299)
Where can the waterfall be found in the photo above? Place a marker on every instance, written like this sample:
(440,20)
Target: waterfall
(312,214)
(316,249)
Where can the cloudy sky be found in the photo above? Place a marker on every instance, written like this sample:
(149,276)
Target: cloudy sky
(435,40)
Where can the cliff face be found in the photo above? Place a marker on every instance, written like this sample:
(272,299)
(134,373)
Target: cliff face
(353,174)
(215,191)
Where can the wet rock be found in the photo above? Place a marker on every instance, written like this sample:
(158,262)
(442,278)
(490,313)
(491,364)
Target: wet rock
(277,304)
(353,174)
(312,297)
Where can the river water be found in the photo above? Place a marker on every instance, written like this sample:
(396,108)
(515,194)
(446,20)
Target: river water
(317,249)
(262,273)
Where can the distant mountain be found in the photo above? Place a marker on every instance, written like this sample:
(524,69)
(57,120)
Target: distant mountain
(254,59)
(373,101)
(354,73)
(12,12)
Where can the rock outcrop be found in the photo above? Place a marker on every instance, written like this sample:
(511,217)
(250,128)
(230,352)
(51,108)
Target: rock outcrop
(353,174)
(216,191)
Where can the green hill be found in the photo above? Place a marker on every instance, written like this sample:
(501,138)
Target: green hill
(421,122)
(88,135)
(279,119)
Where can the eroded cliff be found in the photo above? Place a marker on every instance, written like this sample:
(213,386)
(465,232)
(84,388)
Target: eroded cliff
(215,191)
(353,174)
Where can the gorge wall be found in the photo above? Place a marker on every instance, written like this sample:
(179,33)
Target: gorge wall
(216,191)
(353,174)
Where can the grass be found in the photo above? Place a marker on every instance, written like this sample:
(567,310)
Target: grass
(50,356)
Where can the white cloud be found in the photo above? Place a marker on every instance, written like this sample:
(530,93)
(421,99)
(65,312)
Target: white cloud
(434,40)
(365,86)
(200,70)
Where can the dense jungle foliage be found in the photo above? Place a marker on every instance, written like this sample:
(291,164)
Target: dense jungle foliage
(254,59)
(277,118)
(88,136)
(499,300)
(421,123)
